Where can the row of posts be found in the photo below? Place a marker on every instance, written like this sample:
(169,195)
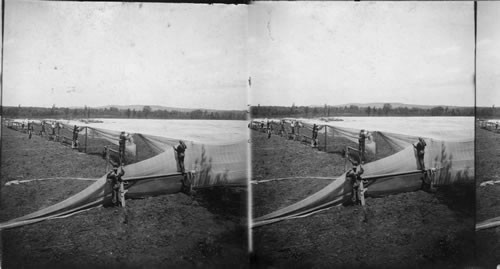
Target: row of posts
(346,152)
(326,135)
(55,137)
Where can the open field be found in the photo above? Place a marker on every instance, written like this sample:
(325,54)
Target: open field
(206,230)
(408,230)
(487,198)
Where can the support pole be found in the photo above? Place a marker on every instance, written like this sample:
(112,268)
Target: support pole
(86,134)
(121,195)
(362,191)
(326,148)
(345,157)
(107,157)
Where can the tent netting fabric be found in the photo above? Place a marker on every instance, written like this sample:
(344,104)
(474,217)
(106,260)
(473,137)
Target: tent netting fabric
(213,165)
(452,161)
(490,125)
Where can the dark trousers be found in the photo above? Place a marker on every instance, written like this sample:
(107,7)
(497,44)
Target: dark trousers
(121,153)
(421,161)
(181,163)
(361,149)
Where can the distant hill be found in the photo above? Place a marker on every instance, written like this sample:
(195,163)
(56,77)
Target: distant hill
(156,108)
(361,109)
(394,105)
(122,111)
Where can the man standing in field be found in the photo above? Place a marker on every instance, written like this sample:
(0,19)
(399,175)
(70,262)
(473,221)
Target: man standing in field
(180,150)
(361,146)
(315,136)
(53,126)
(42,132)
(74,144)
(59,127)
(30,128)
(121,148)
(420,147)
(354,175)
(114,178)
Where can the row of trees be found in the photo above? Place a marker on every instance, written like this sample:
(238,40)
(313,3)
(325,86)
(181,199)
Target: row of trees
(488,112)
(256,111)
(352,110)
(146,113)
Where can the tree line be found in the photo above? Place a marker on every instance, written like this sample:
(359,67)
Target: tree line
(353,110)
(487,112)
(146,113)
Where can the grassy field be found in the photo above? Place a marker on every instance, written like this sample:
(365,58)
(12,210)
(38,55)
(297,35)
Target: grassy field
(408,230)
(203,231)
(487,198)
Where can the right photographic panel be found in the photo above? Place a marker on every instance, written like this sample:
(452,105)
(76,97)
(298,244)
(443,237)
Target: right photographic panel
(362,134)
(488,134)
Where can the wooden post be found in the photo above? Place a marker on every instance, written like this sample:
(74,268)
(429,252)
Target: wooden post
(346,156)
(362,191)
(121,195)
(326,149)
(86,139)
(107,157)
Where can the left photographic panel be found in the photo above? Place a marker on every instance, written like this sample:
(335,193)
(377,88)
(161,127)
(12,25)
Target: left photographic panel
(124,135)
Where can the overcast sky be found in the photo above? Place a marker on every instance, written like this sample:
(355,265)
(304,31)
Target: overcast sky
(81,53)
(488,54)
(312,53)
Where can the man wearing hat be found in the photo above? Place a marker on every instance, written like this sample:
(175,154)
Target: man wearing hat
(181,148)
(114,178)
(354,175)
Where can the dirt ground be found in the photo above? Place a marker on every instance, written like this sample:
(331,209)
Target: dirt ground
(408,230)
(487,198)
(174,231)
